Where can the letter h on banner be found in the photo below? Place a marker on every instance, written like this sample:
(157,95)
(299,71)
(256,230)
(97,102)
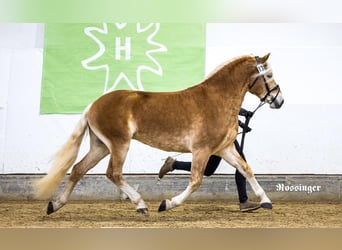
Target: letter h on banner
(126,47)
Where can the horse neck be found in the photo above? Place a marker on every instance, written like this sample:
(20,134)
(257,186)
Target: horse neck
(231,81)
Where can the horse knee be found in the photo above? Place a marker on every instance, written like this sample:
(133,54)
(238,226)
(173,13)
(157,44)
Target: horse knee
(195,180)
(247,171)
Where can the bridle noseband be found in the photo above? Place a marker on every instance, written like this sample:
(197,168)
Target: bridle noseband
(261,69)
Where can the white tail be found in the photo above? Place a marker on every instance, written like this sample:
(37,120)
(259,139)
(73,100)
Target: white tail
(62,161)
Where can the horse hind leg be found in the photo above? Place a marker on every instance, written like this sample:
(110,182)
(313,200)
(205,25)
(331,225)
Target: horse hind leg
(114,173)
(96,153)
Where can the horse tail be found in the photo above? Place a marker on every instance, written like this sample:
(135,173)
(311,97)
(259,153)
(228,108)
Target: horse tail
(62,161)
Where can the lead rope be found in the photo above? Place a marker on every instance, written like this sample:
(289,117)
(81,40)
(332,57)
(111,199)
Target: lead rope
(245,130)
(247,118)
(244,126)
(262,103)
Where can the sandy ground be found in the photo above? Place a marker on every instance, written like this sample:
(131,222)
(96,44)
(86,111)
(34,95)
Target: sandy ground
(192,214)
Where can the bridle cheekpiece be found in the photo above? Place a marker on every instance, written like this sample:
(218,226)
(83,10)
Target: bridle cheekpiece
(262,71)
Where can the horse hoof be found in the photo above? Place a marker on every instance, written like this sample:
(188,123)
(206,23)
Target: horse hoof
(162,206)
(266,205)
(143,211)
(50,208)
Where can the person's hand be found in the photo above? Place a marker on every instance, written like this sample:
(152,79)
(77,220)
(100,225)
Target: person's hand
(244,127)
(245,113)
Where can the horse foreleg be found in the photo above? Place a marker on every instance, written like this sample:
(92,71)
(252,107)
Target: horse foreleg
(97,152)
(197,170)
(233,158)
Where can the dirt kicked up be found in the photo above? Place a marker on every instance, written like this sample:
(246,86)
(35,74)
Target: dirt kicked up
(192,214)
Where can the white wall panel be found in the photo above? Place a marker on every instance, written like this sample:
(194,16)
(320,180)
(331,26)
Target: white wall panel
(302,137)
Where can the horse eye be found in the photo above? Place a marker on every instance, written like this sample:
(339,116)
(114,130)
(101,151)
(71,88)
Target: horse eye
(269,76)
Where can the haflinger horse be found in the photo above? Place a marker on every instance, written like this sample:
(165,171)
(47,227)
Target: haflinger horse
(202,119)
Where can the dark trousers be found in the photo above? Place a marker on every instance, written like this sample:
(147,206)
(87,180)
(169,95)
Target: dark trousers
(211,167)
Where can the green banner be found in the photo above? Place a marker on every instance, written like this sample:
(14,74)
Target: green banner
(84,61)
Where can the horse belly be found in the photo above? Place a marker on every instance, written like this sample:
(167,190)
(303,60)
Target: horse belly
(165,141)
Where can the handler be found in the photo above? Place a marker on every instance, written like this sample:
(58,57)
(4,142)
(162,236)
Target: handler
(171,164)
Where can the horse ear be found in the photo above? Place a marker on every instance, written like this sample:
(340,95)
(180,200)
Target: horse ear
(265,58)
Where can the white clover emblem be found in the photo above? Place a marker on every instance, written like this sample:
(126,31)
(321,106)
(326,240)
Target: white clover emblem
(125,51)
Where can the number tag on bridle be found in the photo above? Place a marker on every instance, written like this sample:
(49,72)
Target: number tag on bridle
(260,68)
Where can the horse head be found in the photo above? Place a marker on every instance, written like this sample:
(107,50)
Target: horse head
(263,84)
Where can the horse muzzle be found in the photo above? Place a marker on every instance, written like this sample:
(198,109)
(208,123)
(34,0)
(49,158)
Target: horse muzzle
(277,102)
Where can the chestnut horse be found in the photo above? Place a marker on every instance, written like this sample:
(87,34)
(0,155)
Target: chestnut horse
(202,119)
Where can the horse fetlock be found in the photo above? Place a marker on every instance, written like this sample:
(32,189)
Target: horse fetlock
(141,204)
(264,198)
